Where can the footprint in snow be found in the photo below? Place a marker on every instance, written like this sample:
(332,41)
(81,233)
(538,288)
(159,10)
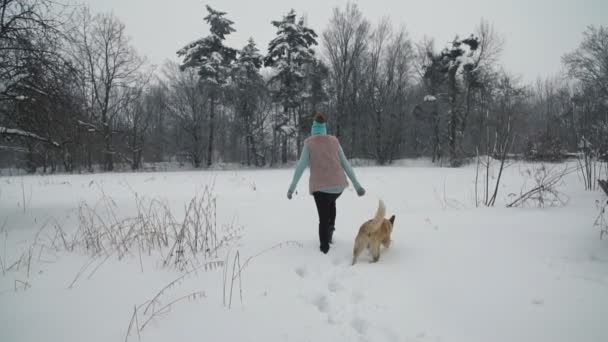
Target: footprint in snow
(337,261)
(538,302)
(357,297)
(334,286)
(321,303)
(360,325)
(302,271)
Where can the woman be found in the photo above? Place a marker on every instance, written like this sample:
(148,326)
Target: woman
(327,180)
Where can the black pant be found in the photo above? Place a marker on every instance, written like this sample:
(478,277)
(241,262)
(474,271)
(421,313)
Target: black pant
(326,208)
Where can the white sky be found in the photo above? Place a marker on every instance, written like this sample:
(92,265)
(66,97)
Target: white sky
(537,32)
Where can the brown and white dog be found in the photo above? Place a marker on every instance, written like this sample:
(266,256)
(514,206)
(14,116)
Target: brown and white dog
(374,233)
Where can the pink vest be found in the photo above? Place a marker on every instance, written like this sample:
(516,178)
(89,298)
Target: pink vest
(325,168)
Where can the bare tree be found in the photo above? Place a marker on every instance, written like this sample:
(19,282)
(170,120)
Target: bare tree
(156,104)
(508,107)
(32,76)
(187,103)
(109,64)
(389,74)
(137,118)
(345,43)
(24,27)
(589,66)
(589,63)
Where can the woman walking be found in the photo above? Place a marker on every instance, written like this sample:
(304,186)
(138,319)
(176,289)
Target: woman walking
(328,164)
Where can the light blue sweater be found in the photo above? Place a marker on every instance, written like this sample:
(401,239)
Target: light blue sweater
(303,163)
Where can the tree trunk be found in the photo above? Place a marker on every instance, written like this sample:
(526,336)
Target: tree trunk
(89,153)
(67,160)
(196,147)
(248,136)
(134,147)
(463,122)
(284,148)
(53,163)
(379,150)
(299,131)
(453,117)
(273,148)
(31,164)
(339,115)
(107,140)
(354,149)
(211,129)
(45,161)
(436,131)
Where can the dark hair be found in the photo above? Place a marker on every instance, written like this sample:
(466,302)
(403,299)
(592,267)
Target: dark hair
(320,118)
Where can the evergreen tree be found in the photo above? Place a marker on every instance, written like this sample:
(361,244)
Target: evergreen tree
(288,53)
(445,68)
(249,87)
(214,62)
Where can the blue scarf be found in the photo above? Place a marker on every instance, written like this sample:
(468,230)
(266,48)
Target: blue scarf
(318,128)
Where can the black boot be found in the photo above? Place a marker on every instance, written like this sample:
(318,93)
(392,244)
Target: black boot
(331,234)
(324,238)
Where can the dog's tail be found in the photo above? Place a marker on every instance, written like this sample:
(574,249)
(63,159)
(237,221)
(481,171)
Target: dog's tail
(379,218)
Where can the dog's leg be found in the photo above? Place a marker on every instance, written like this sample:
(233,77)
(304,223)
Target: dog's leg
(387,243)
(357,250)
(375,249)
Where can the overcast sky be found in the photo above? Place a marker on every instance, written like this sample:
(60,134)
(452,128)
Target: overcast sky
(537,32)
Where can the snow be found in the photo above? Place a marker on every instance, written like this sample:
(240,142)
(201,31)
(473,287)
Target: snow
(91,127)
(465,60)
(216,57)
(454,272)
(279,48)
(430,98)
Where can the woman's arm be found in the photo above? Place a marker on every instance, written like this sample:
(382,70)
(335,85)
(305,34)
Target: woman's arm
(302,164)
(349,170)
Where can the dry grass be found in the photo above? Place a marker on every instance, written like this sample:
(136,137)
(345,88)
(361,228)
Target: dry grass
(41,246)
(544,191)
(3,232)
(601,220)
(181,244)
(228,283)
(155,307)
(187,244)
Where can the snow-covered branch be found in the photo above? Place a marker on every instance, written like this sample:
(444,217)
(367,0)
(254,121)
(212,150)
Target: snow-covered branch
(20,133)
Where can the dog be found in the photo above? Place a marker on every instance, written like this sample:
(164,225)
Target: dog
(374,233)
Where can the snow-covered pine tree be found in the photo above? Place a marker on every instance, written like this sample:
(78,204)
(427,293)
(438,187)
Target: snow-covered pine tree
(288,53)
(249,87)
(314,97)
(246,70)
(457,58)
(316,74)
(213,60)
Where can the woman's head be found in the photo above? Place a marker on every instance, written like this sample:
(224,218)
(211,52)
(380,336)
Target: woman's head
(318,124)
(320,118)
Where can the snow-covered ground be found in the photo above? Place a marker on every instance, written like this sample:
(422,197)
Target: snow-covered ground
(454,272)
